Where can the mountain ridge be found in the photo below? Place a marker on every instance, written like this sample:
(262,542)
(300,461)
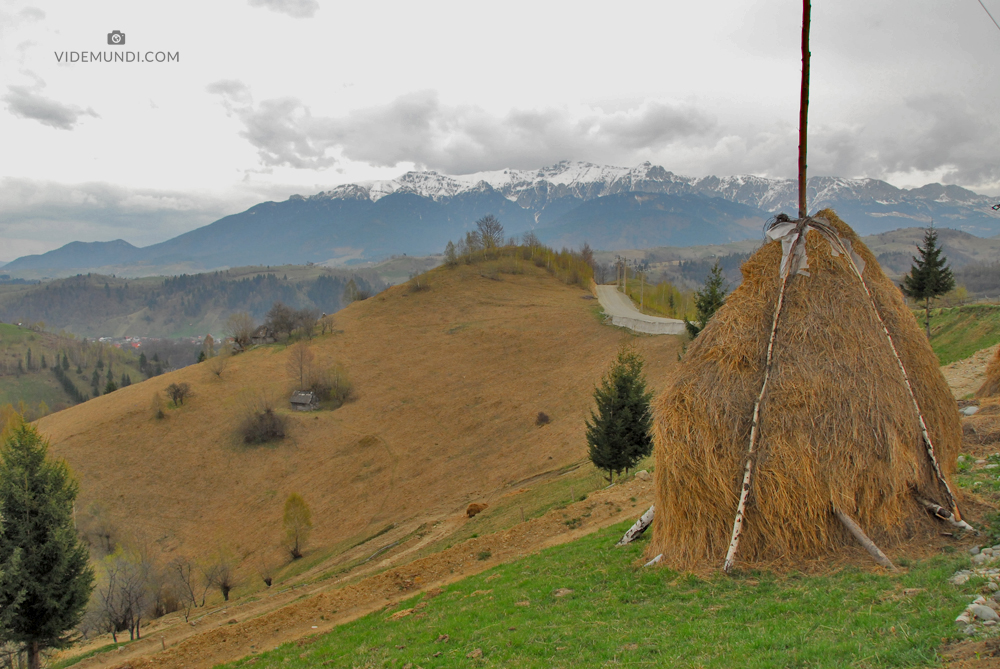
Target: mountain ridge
(419,212)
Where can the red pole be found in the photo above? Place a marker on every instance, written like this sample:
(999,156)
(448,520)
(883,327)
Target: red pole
(804,108)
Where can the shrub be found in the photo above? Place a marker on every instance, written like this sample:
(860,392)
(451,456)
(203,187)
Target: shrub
(157,407)
(331,385)
(177,392)
(260,423)
(542,419)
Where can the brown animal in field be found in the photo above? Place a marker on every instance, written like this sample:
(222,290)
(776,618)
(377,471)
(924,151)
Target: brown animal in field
(474,509)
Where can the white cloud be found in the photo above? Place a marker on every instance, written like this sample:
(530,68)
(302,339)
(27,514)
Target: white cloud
(28,102)
(299,9)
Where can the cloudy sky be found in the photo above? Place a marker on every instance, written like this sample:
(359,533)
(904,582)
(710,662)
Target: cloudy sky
(267,98)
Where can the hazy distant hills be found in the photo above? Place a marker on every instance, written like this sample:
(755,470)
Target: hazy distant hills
(565,204)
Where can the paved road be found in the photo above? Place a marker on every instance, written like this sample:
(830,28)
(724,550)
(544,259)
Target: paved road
(624,314)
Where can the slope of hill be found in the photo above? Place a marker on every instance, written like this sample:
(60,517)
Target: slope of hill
(449,381)
(178,306)
(28,356)
(420,211)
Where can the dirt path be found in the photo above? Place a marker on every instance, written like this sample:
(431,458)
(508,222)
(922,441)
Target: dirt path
(965,376)
(624,314)
(227,633)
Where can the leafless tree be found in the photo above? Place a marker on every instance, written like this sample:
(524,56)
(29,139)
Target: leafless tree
(240,327)
(124,593)
(490,231)
(188,583)
(220,572)
(300,361)
(177,392)
(305,320)
(281,318)
(218,364)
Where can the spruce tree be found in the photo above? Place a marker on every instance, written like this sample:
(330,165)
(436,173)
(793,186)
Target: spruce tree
(46,579)
(929,275)
(618,434)
(708,300)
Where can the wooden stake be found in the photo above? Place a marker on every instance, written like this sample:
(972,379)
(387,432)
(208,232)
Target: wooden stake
(638,528)
(804,107)
(734,541)
(863,539)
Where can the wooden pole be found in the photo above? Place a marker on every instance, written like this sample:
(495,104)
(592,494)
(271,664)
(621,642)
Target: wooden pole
(804,107)
(638,528)
(863,539)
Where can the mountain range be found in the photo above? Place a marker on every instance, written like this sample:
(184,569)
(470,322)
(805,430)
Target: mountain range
(566,204)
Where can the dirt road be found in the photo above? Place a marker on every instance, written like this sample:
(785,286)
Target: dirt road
(624,314)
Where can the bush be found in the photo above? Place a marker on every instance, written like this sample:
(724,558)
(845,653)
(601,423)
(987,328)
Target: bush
(542,419)
(157,407)
(177,392)
(260,423)
(331,385)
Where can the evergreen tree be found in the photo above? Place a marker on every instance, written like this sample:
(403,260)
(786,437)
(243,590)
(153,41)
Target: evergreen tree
(46,578)
(618,435)
(708,300)
(65,362)
(929,275)
(110,387)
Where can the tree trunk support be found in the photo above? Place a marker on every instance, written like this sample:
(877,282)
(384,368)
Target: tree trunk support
(863,539)
(734,541)
(638,528)
(943,514)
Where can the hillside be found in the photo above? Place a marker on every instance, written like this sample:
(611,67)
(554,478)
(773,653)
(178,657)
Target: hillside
(93,305)
(29,354)
(449,381)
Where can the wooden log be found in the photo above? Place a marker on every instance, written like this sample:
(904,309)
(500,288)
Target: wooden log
(863,539)
(638,528)
(734,541)
(943,514)
(654,560)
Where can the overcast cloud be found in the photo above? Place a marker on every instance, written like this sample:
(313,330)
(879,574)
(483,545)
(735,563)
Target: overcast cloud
(418,128)
(274,97)
(28,102)
(299,9)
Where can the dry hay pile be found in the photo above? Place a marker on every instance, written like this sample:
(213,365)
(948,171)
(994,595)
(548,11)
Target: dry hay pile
(991,386)
(837,428)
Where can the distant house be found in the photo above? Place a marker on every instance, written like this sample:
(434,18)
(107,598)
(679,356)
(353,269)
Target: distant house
(263,335)
(304,401)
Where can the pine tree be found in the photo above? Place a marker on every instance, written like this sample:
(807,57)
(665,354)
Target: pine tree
(708,300)
(929,276)
(46,578)
(618,435)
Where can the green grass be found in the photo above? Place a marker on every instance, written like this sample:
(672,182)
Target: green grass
(620,613)
(958,332)
(70,661)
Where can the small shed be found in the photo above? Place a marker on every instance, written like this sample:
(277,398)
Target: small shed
(302,400)
(263,335)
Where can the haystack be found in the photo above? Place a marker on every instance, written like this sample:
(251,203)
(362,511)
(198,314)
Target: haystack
(991,386)
(838,428)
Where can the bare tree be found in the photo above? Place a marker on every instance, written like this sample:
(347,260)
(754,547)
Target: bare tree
(220,572)
(218,364)
(177,392)
(281,318)
(125,593)
(184,578)
(305,320)
(240,327)
(300,361)
(490,231)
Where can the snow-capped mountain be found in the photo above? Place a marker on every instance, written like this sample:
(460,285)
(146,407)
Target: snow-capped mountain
(566,204)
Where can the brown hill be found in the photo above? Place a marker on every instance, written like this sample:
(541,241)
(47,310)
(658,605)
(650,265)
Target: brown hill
(449,382)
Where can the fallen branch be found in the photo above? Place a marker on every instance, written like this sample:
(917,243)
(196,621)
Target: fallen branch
(636,530)
(863,539)
(654,560)
(943,514)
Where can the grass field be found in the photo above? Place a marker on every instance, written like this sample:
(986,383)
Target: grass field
(958,332)
(588,604)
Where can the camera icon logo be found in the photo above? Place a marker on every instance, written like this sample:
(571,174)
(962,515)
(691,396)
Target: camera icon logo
(116,37)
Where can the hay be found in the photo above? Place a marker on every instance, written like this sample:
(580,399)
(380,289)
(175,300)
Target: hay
(837,425)
(991,386)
